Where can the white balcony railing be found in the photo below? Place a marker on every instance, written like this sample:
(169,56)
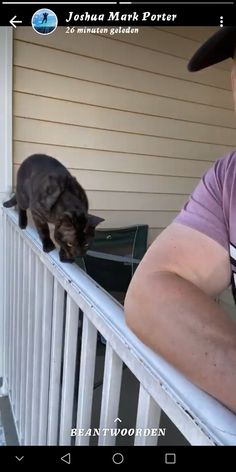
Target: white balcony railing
(43,305)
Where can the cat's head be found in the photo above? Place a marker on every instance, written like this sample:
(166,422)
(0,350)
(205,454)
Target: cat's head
(74,233)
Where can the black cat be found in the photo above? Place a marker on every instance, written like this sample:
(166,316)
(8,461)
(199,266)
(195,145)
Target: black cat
(53,195)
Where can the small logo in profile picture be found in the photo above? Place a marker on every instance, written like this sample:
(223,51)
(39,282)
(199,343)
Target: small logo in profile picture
(44,21)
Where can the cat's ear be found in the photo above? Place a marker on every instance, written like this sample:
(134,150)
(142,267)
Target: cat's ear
(94,220)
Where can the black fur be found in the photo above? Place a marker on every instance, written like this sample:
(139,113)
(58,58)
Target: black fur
(53,195)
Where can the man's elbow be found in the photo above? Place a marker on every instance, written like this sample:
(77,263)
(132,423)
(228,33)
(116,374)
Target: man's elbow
(146,300)
(135,305)
(131,307)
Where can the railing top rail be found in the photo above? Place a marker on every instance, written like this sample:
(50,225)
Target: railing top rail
(172,391)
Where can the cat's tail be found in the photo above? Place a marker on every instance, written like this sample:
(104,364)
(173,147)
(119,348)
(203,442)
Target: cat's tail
(10,203)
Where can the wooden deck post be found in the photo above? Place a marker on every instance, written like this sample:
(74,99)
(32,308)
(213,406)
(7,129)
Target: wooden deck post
(6,69)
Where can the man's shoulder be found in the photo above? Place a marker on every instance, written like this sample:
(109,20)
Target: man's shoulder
(223,169)
(228,159)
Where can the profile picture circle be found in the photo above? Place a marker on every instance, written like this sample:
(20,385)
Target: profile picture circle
(44,21)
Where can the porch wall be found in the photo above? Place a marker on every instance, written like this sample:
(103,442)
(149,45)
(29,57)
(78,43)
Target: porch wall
(124,115)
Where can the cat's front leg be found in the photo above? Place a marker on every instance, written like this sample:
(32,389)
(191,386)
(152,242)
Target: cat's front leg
(63,256)
(43,231)
(22,218)
(48,245)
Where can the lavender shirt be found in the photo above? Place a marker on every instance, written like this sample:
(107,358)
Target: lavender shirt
(211,209)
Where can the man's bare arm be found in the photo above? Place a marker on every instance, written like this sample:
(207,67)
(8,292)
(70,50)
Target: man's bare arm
(170,307)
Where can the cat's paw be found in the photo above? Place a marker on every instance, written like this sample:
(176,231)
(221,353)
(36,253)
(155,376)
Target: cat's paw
(64,257)
(22,219)
(48,246)
(22,224)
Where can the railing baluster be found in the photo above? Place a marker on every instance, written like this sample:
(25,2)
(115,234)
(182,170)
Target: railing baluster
(56,364)
(148,416)
(19,325)
(37,350)
(29,363)
(25,297)
(69,364)
(45,357)
(15,252)
(6,302)
(11,311)
(2,296)
(3,321)
(86,379)
(110,394)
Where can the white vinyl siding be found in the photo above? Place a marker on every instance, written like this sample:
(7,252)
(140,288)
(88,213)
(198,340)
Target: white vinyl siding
(123,113)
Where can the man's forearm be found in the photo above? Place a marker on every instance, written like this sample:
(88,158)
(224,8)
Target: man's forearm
(189,329)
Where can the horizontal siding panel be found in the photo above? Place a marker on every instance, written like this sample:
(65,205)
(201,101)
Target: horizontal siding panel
(129,55)
(124,115)
(117,219)
(196,33)
(135,201)
(153,233)
(225,65)
(60,111)
(50,60)
(53,86)
(115,181)
(69,135)
(136,183)
(158,40)
(92,159)
(163,41)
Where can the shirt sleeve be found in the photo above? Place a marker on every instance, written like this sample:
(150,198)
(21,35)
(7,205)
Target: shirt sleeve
(204,210)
